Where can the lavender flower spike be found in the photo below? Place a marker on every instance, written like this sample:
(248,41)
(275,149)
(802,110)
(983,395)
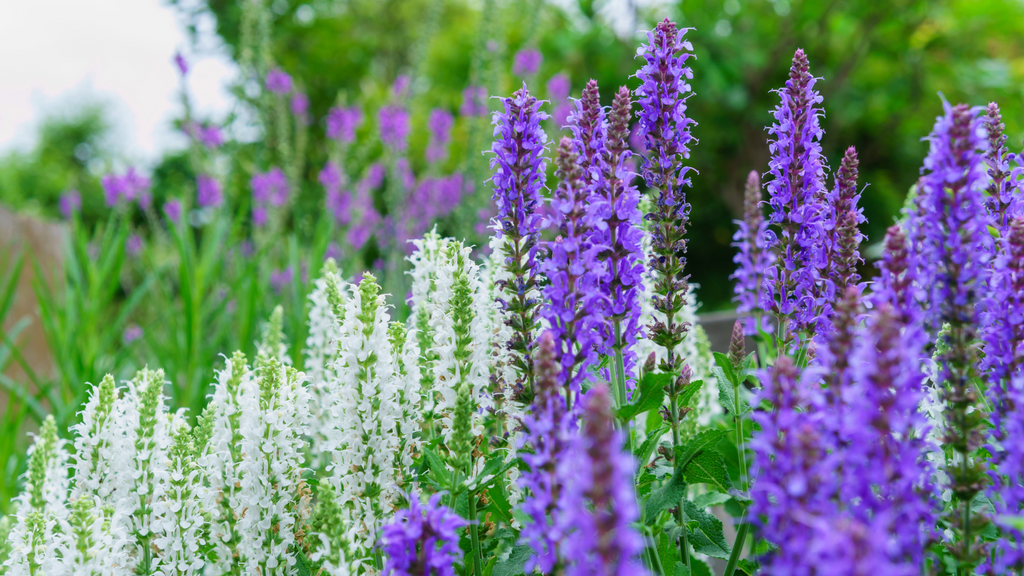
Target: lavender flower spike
(422,540)
(550,430)
(952,247)
(603,540)
(519,174)
(665,129)
(846,237)
(572,299)
(618,228)
(752,259)
(1006,188)
(795,191)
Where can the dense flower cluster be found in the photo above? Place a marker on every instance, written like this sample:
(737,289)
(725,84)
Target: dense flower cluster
(752,258)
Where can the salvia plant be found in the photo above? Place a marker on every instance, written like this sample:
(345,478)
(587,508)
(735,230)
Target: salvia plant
(550,406)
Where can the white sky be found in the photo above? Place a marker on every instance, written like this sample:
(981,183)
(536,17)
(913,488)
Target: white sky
(55,54)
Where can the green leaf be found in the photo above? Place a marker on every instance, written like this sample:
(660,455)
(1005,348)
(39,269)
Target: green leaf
(643,454)
(437,466)
(302,564)
(723,364)
(680,569)
(665,497)
(514,566)
(729,379)
(689,391)
(699,568)
(708,467)
(707,537)
(747,566)
(668,551)
(702,441)
(711,499)
(651,397)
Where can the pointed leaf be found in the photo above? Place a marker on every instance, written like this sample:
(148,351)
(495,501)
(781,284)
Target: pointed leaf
(665,497)
(651,396)
(514,566)
(643,454)
(702,441)
(708,467)
(707,537)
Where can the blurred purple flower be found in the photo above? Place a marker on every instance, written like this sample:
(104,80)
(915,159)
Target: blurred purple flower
(259,216)
(299,104)
(333,251)
(270,187)
(126,188)
(210,136)
(474,102)
(335,200)
(182,64)
(70,203)
(558,87)
(208,194)
(526,62)
(132,332)
(246,249)
(133,245)
(422,540)
(342,123)
(393,124)
(440,125)
(172,209)
(281,278)
(278,81)
(401,85)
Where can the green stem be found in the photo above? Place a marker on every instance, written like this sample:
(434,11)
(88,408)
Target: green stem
(684,547)
(620,381)
(741,452)
(474,534)
(737,548)
(652,554)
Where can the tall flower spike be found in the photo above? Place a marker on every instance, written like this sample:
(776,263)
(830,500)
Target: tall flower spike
(426,261)
(364,442)
(895,283)
(321,353)
(795,479)
(182,532)
(519,174)
(98,453)
(795,192)
(573,302)
(422,540)
(274,420)
(846,236)
(952,250)
(618,229)
(148,435)
(665,129)
(1005,188)
(549,432)
(886,476)
(752,258)
(588,126)
(601,540)
(1003,335)
(46,482)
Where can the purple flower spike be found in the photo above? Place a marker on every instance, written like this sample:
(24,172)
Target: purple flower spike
(526,62)
(796,192)
(281,278)
(342,123)
(601,538)
(70,203)
(895,284)
(665,129)
(259,216)
(172,209)
(846,235)
(1007,185)
(573,303)
(440,125)
(519,175)
(211,137)
(549,432)
(208,194)
(393,124)
(752,259)
(614,207)
(279,82)
(1002,328)
(422,540)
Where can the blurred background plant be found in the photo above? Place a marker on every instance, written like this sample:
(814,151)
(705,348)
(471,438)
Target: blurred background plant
(360,124)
